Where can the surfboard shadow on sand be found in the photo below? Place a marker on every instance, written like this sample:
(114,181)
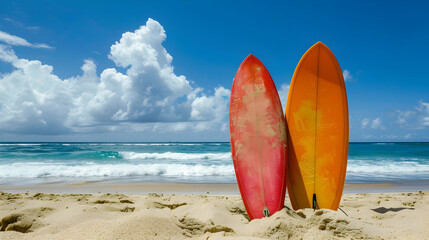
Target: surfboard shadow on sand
(299,180)
(384,210)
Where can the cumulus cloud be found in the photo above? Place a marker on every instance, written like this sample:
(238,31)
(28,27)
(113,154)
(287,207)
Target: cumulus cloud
(205,108)
(17,41)
(149,96)
(32,99)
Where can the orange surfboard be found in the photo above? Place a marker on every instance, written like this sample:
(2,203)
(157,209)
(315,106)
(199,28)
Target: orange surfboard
(258,139)
(318,131)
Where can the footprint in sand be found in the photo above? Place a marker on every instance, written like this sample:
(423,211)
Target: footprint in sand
(192,227)
(239,211)
(171,206)
(102,201)
(318,212)
(128,209)
(301,214)
(16,222)
(126,201)
(324,223)
(25,221)
(330,224)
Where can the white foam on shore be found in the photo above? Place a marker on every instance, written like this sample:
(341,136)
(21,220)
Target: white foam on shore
(37,170)
(94,169)
(176,156)
(20,144)
(161,144)
(404,167)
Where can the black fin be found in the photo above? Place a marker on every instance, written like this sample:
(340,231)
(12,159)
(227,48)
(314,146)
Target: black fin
(266,212)
(314,202)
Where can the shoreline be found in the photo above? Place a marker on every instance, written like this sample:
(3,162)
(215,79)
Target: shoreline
(86,187)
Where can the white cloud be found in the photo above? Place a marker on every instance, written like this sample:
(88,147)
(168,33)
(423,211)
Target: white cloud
(283,93)
(402,117)
(416,118)
(374,124)
(20,24)
(365,122)
(149,96)
(7,54)
(32,99)
(408,136)
(347,75)
(423,112)
(213,107)
(17,41)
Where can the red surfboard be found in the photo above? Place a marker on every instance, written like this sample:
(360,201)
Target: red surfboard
(258,139)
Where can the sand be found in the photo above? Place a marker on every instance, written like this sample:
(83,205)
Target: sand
(182,216)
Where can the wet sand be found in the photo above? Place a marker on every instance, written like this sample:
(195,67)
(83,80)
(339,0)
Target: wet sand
(194,188)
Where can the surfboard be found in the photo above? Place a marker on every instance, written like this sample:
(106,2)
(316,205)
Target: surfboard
(258,139)
(317,130)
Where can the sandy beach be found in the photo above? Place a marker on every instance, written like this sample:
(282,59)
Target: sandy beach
(212,215)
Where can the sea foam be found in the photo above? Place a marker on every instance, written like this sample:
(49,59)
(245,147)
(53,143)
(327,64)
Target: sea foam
(392,167)
(90,169)
(176,156)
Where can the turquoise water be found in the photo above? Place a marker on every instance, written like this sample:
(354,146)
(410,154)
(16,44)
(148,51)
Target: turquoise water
(33,163)
(387,162)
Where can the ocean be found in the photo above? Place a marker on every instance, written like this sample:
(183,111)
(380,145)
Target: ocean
(26,164)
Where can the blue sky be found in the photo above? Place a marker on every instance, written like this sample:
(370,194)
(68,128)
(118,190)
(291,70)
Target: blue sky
(68,73)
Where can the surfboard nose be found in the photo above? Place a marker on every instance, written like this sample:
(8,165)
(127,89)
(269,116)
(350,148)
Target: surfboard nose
(250,56)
